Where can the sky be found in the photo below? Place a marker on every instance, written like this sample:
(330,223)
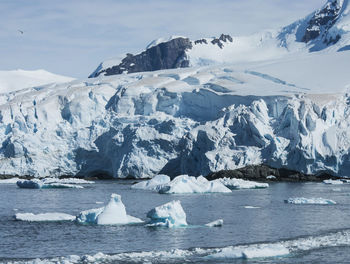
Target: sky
(71,37)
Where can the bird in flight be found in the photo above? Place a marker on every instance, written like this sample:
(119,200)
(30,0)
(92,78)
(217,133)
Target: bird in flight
(20,31)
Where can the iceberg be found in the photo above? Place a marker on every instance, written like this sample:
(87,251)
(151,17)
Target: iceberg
(188,184)
(154,184)
(215,223)
(44,217)
(234,183)
(114,213)
(42,184)
(168,215)
(302,200)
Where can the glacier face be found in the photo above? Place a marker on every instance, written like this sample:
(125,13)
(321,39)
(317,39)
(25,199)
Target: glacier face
(183,121)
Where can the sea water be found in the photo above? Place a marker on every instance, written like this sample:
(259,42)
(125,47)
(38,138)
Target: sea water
(252,218)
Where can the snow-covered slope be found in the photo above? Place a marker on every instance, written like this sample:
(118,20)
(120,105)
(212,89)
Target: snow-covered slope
(326,28)
(18,79)
(292,112)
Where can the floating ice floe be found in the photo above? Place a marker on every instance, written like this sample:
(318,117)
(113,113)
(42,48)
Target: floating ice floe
(114,213)
(251,207)
(168,215)
(42,184)
(271,177)
(66,181)
(45,217)
(215,223)
(302,200)
(189,184)
(253,251)
(333,182)
(154,184)
(234,183)
(9,181)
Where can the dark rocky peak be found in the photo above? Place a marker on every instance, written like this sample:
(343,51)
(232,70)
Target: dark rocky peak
(200,41)
(322,20)
(223,38)
(165,55)
(159,56)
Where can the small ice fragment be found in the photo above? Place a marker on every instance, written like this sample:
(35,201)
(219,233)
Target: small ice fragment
(333,182)
(251,207)
(215,223)
(302,200)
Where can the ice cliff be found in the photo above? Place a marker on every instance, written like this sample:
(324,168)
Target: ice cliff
(183,121)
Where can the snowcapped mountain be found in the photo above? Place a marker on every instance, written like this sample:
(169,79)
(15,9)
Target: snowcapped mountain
(18,79)
(327,27)
(247,100)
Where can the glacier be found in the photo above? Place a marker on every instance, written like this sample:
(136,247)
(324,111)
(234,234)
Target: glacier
(185,121)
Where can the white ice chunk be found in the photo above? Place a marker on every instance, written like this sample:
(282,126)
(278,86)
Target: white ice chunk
(41,184)
(216,223)
(251,207)
(188,184)
(302,200)
(154,184)
(9,181)
(168,215)
(234,183)
(333,182)
(114,213)
(44,217)
(271,177)
(253,251)
(66,181)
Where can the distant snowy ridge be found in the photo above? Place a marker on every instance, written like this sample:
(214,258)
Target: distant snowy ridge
(19,79)
(326,28)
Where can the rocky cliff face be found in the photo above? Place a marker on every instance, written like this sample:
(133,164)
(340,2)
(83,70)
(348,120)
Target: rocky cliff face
(322,21)
(166,55)
(322,29)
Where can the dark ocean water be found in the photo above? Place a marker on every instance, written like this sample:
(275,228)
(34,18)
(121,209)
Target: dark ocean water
(314,233)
